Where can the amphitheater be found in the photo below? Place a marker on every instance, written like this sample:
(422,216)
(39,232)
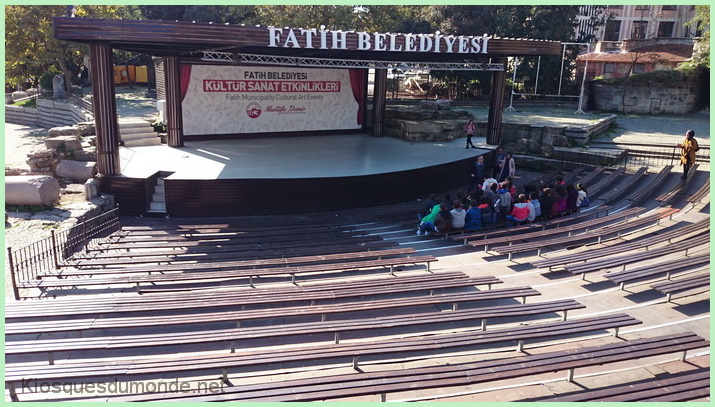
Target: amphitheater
(609,304)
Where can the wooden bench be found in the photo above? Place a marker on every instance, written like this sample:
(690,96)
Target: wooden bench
(702,193)
(532,226)
(230,239)
(683,386)
(586,225)
(652,186)
(691,282)
(177,277)
(624,186)
(215,247)
(667,235)
(571,240)
(678,188)
(586,179)
(323,310)
(261,252)
(162,340)
(237,297)
(666,268)
(634,257)
(384,382)
(121,370)
(605,182)
(233,265)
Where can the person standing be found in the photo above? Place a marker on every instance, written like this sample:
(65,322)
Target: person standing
(498,159)
(479,171)
(470,128)
(687,152)
(507,167)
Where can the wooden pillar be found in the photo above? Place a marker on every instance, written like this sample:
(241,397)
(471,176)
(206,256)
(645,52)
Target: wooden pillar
(378,103)
(105,109)
(496,104)
(174,122)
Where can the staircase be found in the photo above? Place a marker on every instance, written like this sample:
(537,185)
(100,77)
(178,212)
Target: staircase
(138,134)
(157,206)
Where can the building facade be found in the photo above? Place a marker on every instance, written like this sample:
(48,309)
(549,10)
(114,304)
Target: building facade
(636,39)
(639,22)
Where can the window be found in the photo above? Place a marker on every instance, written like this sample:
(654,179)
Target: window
(613,30)
(609,67)
(671,8)
(615,7)
(639,30)
(642,7)
(665,28)
(639,68)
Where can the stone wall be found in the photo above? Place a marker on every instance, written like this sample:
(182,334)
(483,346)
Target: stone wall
(427,121)
(49,113)
(666,99)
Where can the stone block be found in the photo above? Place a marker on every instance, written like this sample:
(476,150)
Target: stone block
(76,170)
(20,94)
(40,190)
(429,104)
(443,104)
(86,129)
(91,189)
(87,154)
(64,131)
(66,143)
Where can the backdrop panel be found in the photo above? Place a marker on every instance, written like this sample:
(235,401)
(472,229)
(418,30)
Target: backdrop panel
(235,100)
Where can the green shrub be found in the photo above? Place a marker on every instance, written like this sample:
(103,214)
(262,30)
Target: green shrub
(27,208)
(46,79)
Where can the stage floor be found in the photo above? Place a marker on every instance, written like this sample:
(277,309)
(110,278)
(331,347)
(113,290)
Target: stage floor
(290,157)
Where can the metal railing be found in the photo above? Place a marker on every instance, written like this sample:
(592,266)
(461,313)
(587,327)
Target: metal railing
(83,104)
(45,256)
(652,156)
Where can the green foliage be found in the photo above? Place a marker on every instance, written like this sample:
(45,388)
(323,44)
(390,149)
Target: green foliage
(26,103)
(556,23)
(701,22)
(45,80)
(654,78)
(30,47)
(33,209)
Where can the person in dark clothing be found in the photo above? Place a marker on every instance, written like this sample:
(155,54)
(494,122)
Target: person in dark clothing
(499,155)
(479,172)
(571,198)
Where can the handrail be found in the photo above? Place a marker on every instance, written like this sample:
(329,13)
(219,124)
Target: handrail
(28,262)
(85,105)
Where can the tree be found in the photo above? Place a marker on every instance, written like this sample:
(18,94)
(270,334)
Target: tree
(701,22)
(556,23)
(30,47)
(332,17)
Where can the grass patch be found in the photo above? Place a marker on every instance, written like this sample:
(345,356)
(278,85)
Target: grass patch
(33,209)
(26,103)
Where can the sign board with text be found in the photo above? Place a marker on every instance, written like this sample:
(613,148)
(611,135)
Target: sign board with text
(236,100)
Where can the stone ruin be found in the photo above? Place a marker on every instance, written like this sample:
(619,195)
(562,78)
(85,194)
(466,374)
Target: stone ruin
(70,154)
(431,120)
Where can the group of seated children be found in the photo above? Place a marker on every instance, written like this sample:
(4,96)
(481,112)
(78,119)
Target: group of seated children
(492,203)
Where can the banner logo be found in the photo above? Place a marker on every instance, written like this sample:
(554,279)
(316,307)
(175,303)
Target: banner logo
(253,110)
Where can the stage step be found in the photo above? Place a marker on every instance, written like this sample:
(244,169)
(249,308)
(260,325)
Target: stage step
(158,199)
(138,134)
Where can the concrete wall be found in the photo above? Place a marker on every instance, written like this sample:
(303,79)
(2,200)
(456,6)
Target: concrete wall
(49,113)
(674,99)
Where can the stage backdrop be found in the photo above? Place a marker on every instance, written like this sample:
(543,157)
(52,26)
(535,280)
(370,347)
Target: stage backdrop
(235,100)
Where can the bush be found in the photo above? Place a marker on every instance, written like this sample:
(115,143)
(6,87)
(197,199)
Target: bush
(46,79)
